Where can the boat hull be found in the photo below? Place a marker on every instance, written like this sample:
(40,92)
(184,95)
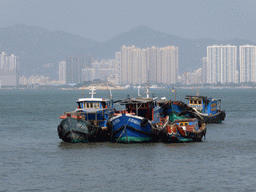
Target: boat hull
(175,134)
(78,130)
(126,128)
(205,118)
(181,109)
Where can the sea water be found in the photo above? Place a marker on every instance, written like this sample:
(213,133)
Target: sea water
(33,158)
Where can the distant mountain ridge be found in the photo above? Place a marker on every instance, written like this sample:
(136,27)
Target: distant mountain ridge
(39,50)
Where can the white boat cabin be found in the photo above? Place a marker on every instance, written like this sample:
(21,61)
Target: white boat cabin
(94,103)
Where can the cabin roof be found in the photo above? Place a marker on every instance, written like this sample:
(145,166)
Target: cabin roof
(90,110)
(185,120)
(136,100)
(201,97)
(196,97)
(92,99)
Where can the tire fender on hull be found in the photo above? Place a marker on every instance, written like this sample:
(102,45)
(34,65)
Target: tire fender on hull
(144,122)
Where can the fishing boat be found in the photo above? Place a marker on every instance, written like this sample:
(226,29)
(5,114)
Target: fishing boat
(137,123)
(205,109)
(88,122)
(184,130)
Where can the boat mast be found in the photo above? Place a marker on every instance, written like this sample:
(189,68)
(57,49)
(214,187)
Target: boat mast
(92,91)
(110,94)
(139,91)
(147,87)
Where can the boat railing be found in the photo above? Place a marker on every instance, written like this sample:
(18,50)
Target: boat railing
(124,111)
(80,113)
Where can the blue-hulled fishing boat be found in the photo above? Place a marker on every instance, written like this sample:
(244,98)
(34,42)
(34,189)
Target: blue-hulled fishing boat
(88,122)
(205,109)
(137,123)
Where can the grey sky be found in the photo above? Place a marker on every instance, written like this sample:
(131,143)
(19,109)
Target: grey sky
(101,20)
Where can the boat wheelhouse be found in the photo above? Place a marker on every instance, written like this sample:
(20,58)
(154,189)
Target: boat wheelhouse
(95,110)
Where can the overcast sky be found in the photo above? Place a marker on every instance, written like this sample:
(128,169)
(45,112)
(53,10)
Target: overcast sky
(103,19)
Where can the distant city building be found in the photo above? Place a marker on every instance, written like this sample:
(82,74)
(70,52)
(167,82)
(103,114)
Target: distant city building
(117,68)
(167,65)
(38,80)
(103,70)
(192,78)
(3,60)
(74,66)
(8,70)
(184,78)
(12,62)
(23,80)
(204,70)
(88,74)
(221,64)
(151,65)
(34,80)
(62,72)
(126,64)
(112,80)
(104,73)
(247,57)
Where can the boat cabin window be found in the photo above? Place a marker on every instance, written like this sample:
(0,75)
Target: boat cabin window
(195,102)
(199,102)
(96,105)
(190,101)
(91,105)
(88,105)
(183,123)
(104,105)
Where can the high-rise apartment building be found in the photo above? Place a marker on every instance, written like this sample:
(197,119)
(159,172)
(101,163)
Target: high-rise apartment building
(74,66)
(143,67)
(126,64)
(221,64)
(12,62)
(8,70)
(62,71)
(117,67)
(204,70)
(151,65)
(167,65)
(133,68)
(247,57)
(3,60)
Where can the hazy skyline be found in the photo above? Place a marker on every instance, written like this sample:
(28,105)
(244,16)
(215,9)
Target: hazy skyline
(102,20)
